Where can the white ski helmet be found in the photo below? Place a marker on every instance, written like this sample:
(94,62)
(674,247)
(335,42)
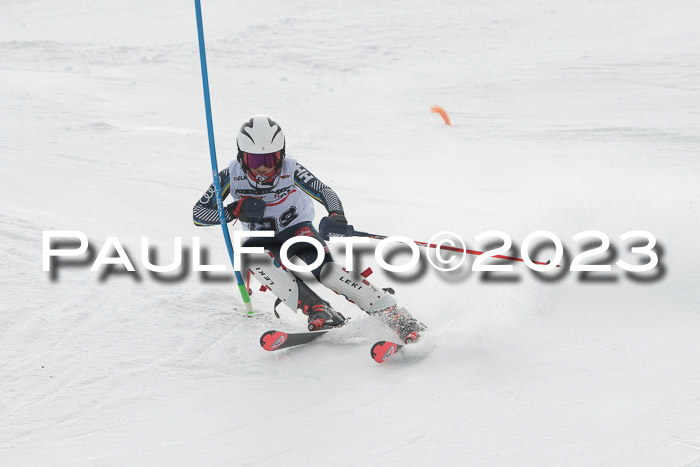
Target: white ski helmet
(260,135)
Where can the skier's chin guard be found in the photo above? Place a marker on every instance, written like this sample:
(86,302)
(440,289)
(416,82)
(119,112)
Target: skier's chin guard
(330,228)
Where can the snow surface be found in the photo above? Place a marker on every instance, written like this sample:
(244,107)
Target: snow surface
(568,116)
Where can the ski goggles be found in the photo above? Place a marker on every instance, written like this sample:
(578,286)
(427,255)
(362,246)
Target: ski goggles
(255,161)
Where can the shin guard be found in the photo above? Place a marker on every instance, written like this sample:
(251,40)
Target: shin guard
(281,282)
(356,288)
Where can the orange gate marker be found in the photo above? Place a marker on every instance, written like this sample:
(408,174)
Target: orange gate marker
(436,109)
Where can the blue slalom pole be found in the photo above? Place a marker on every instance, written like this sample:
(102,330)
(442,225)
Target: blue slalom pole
(214,165)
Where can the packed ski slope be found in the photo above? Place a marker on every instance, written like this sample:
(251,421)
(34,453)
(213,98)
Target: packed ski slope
(567,116)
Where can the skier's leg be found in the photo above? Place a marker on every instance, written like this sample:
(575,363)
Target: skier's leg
(354,287)
(372,300)
(292,291)
(270,273)
(321,313)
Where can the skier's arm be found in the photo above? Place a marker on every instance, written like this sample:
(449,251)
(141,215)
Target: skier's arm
(315,188)
(205,212)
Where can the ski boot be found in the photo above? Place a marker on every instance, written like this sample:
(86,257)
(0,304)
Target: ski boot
(401,321)
(321,314)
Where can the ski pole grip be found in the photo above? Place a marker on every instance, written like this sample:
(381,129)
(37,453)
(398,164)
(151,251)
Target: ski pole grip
(330,228)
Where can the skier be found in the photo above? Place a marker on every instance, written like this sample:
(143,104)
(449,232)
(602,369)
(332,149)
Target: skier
(273,192)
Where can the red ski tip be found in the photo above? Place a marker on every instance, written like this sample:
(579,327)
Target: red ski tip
(383,350)
(271,340)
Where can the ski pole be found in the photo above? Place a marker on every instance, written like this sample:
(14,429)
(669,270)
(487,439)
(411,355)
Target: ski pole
(212,153)
(329,228)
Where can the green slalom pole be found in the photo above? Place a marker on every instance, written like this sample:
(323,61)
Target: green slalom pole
(214,165)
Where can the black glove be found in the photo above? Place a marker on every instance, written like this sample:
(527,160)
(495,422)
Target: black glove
(338,217)
(247,209)
(329,227)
